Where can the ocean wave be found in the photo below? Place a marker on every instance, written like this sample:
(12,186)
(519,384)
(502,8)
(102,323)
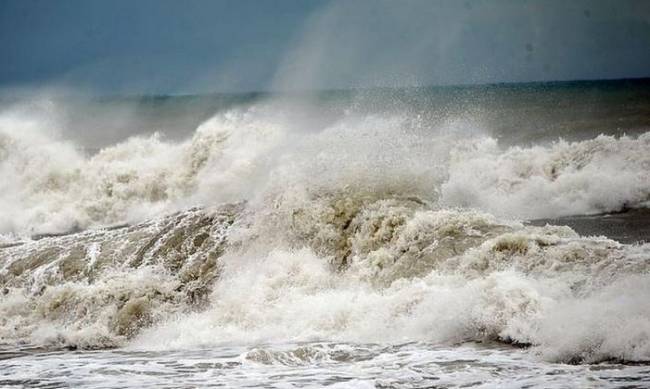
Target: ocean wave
(397,271)
(599,175)
(261,151)
(370,228)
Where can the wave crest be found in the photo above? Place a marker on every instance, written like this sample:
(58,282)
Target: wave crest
(371,228)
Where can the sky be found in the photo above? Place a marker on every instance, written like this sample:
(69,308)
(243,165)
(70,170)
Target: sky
(205,46)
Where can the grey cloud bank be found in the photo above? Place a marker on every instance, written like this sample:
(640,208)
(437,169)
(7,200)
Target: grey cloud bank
(221,46)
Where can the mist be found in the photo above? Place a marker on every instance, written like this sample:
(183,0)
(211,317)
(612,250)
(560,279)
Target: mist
(416,43)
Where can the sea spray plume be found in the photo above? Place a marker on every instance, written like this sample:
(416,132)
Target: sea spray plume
(52,186)
(27,152)
(334,50)
(267,149)
(231,157)
(91,122)
(349,44)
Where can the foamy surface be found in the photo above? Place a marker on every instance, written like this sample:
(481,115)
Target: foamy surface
(312,365)
(278,245)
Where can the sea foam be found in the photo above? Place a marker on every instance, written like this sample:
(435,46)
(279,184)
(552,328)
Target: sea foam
(368,228)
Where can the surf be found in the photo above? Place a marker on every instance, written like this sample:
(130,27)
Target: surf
(364,226)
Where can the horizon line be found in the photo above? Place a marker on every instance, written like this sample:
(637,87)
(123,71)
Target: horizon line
(339,90)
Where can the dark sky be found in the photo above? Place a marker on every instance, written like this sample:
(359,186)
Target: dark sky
(195,46)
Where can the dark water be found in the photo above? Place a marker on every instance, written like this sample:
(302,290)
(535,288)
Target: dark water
(630,226)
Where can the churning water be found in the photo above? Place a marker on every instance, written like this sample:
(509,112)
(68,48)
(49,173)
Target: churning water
(370,239)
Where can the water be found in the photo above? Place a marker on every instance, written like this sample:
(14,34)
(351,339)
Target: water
(313,365)
(434,237)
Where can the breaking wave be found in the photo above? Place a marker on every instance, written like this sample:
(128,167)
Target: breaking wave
(50,186)
(368,228)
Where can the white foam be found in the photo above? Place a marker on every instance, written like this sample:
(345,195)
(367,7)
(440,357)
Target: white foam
(348,232)
(566,178)
(522,287)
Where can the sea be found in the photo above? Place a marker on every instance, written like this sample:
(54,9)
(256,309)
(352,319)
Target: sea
(486,236)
